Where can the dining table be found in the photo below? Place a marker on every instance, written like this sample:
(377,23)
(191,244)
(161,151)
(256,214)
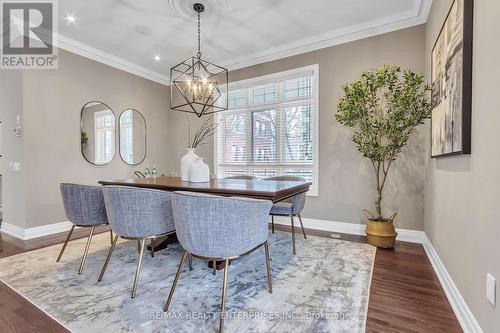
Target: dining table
(272,190)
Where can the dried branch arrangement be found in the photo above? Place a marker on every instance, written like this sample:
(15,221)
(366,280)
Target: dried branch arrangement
(203,134)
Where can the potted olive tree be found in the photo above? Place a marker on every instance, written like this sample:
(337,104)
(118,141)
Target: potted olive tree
(384,106)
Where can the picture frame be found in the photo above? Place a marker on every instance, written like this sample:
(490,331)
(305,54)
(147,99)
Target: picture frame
(451,77)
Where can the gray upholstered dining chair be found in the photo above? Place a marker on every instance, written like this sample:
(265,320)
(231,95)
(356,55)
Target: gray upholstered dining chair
(84,207)
(219,229)
(137,214)
(243,177)
(290,207)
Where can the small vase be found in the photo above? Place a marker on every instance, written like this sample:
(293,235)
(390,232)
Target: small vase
(186,162)
(199,172)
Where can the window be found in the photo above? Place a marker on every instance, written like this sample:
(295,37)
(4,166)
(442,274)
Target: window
(264,143)
(271,127)
(104,127)
(237,99)
(127,135)
(263,94)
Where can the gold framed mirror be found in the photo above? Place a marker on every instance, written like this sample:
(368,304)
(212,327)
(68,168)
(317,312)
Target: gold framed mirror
(97,133)
(133,145)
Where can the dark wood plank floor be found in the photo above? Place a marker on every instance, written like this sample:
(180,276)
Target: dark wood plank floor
(405,294)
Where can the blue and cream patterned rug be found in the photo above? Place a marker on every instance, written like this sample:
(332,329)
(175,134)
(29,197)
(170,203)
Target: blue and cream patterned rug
(324,288)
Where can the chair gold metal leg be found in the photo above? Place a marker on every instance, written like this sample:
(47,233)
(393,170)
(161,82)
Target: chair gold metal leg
(272,223)
(87,246)
(190,261)
(302,226)
(293,235)
(65,243)
(268,266)
(152,247)
(223,302)
(111,249)
(111,237)
(215,267)
(138,269)
(179,269)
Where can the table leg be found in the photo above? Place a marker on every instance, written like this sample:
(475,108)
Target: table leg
(162,243)
(218,266)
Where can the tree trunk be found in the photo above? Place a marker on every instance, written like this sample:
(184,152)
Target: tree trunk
(381,175)
(378,206)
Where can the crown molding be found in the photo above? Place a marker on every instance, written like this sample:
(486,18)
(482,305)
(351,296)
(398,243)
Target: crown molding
(87,51)
(426,9)
(84,50)
(416,16)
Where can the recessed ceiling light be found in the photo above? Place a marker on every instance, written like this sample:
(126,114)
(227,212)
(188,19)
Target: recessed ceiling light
(70,18)
(157,58)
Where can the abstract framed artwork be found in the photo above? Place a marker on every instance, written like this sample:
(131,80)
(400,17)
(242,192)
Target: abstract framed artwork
(451,76)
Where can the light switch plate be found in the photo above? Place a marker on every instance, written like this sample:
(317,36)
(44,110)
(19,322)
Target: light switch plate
(15,166)
(491,288)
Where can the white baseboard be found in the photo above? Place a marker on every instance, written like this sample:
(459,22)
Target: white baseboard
(457,302)
(35,232)
(12,230)
(404,235)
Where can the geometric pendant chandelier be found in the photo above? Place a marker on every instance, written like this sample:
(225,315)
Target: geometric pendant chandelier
(196,85)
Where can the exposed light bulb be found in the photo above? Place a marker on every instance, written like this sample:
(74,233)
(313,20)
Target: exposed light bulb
(157,58)
(70,18)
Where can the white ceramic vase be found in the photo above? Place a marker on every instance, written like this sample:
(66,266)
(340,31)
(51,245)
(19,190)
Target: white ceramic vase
(199,172)
(186,162)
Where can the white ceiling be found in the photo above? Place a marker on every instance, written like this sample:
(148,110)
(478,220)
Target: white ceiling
(127,34)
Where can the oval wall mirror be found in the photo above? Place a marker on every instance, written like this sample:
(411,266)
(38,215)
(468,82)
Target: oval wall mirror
(132,137)
(97,133)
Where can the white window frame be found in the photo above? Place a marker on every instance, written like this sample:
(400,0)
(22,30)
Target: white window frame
(100,160)
(127,136)
(262,80)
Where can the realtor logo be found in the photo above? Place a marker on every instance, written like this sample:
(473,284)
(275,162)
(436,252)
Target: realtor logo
(28,34)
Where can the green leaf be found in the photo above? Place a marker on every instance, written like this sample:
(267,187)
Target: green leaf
(384,106)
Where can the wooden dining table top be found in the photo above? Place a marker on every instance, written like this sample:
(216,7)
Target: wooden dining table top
(259,189)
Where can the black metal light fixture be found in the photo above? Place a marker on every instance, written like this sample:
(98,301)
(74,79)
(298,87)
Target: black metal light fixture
(196,85)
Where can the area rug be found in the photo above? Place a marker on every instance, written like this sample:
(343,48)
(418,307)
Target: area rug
(324,288)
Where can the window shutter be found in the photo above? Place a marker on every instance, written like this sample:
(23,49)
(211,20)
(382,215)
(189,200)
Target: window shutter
(270,128)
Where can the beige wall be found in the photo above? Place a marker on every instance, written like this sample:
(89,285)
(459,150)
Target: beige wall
(13,184)
(463,193)
(178,139)
(52,103)
(347,184)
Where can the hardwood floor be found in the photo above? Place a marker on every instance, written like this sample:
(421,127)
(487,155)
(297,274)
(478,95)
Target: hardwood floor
(405,294)
(19,315)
